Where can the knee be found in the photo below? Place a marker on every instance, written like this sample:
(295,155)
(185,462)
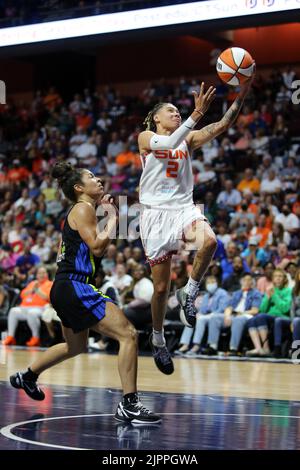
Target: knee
(210,243)
(161,288)
(130,333)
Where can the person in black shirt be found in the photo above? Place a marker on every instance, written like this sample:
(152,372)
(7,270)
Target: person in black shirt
(78,303)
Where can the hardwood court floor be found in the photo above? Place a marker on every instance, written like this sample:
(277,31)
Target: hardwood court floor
(258,402)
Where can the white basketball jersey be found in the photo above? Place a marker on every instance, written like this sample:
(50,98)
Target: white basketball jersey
(167,178)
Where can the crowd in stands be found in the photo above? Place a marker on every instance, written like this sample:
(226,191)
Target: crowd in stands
(247,179)
(22,12)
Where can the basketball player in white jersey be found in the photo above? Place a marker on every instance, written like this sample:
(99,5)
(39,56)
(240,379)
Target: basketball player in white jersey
(168,214)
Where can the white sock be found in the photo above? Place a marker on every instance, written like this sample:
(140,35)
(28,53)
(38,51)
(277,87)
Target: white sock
(192,287)
(158,338)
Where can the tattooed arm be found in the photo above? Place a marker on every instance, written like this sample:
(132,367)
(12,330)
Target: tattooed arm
(197,138)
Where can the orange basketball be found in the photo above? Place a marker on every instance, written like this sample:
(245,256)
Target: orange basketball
(235,66)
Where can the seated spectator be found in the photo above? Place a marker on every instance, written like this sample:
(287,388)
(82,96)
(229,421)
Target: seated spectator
(40,249)
(242,218)
(243,304)
(272,184)
(34,299)
(286,325)
(138,310)
(239,268)
(254,255)
(261,231)
(278,235)
(283,257)
(230,197)
(249,182)
(121,280)
(26,265)
(288,219)
(226,263)
(214,301)
(108,262)
(265,283)
(290,176)
(276,303)
(291,271)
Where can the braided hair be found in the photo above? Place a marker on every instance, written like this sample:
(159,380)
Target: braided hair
(67,177)
(149,121)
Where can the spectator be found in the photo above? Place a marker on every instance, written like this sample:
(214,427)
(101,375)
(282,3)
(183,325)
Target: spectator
(276,303)
(229,198)
(214,301)
(34,299)
(239,268)
(261,231)
(115,146)
(138,310)
(243,304)
(265,283)
(283,326)
(254,255)
(272,184)
(278,235)
(288,220)
(25,266)
(249,183)
(41,250)
(120,280)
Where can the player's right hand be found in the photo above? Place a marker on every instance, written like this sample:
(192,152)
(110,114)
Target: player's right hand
(203,100)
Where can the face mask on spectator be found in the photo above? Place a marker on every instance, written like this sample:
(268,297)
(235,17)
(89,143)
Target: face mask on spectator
(211,288)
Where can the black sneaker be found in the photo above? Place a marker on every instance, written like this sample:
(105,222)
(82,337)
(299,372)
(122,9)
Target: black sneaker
(188,310)
(162,358)
(31,388)
(135,413)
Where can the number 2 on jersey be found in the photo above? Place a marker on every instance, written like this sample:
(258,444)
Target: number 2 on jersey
(172,169)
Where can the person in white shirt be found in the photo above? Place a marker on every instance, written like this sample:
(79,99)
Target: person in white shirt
(229,197)
(120,280)
(271,185)
(168,214)
(41,249)
(24,201)
(288,219)
(138,311)
(86,151)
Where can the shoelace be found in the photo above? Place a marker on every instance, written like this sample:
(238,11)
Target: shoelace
(190,307)
(163,354)
(139,406)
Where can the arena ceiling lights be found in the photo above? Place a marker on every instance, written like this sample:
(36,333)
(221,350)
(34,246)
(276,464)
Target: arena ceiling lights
(140,19)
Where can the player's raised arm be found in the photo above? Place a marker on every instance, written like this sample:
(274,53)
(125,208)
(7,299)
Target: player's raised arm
(163,123)
(207,133)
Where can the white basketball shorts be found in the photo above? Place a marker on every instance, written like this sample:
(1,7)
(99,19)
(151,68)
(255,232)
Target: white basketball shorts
(162,231)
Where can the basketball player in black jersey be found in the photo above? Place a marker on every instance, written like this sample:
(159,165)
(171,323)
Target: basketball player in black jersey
(77,301)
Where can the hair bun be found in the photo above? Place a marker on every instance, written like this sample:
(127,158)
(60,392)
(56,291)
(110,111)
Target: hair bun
(62,171)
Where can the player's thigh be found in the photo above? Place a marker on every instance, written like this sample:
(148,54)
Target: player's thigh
(114,324)
(77,342)
(199,235)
